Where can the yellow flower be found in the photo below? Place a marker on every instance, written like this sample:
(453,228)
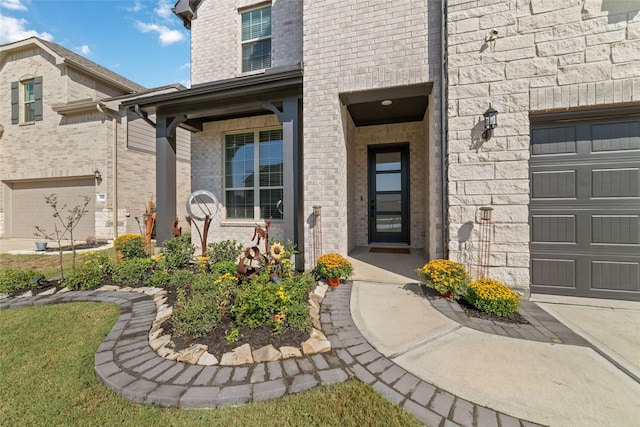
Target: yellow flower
(277,251)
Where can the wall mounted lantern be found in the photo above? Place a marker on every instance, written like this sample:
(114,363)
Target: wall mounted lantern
(490,122)
(98,176)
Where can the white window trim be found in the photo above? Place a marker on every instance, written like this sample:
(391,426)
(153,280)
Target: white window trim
(22,101)
(243,42)
(245,222)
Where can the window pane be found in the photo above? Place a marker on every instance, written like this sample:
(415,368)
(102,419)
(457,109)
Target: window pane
(256,55)
(256,23)
(269,203)
(239,204)
(239,160)
(30,112)
(389,202)
(271,162)
(388,161)
(388,182)
(29,92)
(389,223)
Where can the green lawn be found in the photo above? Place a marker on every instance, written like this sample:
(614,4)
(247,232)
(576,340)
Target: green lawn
(46,378)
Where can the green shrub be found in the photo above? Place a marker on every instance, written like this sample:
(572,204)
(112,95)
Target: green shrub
(180,278)
(444,276)
(12,279)
(132,271)
(261,301)
(99,259)
(159,278)
(492,296)
(84,276)
(195,316)
(130,246)
(178,251)
(224,267)
(226,250)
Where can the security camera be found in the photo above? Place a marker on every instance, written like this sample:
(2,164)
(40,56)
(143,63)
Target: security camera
(491,35)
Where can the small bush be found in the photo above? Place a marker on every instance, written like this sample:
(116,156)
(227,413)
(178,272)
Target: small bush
(159,278)
(195,316)
(12,279)
(180,278)
(130,246)
(334,265)
(226,250)
(492,296)
(178,251)
(224,267)
(444,276)
(132,271)
(90,272)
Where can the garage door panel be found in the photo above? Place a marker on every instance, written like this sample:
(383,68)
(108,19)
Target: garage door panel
(28,206)
(555,273)
(615,136)
(553,228)
(615,182)
(615,276)
(554,184)
(615,229)
(585,209)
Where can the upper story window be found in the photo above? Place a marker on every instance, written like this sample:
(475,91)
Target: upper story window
(256,39)
(26,101)
(29,101)
(253,164)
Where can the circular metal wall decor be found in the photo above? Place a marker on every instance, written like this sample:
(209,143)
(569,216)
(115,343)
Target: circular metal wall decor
(202,204)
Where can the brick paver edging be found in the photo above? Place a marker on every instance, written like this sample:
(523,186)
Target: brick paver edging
(125,363)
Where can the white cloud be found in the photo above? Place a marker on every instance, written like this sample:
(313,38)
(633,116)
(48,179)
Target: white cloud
(12,5)
(164,10)
(84,49)
(185,66)
(137,7)
(166,35)
(14,29)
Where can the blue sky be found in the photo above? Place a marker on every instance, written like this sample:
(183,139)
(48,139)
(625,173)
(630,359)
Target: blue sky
(141,40)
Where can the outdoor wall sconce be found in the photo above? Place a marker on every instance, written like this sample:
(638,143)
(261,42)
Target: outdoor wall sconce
(98,176)
(490,122)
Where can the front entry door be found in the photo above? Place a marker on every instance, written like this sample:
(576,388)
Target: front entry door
(389,194)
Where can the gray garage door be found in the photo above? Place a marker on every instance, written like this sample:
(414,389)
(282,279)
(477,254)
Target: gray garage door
(29,209)
(585,208)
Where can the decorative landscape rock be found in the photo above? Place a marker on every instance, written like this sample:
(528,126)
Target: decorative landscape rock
(238,356)
(156,343)
(317,343)
(289,352)
(268,353)
(207,359)
(192,354)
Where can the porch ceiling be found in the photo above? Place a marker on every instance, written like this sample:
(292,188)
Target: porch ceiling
(408,104)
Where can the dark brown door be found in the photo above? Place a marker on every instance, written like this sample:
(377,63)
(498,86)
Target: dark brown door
(389,194)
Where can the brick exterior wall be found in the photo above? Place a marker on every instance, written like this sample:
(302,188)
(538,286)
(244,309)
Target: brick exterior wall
(75,145)
(352,46)
(549,54)
(216,44)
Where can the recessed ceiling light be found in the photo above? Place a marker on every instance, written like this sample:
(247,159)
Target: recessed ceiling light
(387,102)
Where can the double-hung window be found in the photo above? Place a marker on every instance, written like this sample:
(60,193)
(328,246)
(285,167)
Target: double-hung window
(29,101)
(256,39)
(246,155)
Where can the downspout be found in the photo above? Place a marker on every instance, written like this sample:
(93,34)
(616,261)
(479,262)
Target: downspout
(443,130)
(114,171)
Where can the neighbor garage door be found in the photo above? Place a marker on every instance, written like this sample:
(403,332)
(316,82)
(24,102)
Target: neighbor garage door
(29,209)
(585,208)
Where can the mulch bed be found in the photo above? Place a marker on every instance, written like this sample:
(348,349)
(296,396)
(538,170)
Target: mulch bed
(78,246)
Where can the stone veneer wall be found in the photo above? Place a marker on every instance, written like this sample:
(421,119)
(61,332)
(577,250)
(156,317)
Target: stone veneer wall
(350,46)
(216,44)
(549,54)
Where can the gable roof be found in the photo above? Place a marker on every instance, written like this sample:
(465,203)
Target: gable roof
(72,59)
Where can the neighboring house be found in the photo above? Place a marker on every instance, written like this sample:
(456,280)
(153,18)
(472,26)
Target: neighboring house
(65,132)
(339,105)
